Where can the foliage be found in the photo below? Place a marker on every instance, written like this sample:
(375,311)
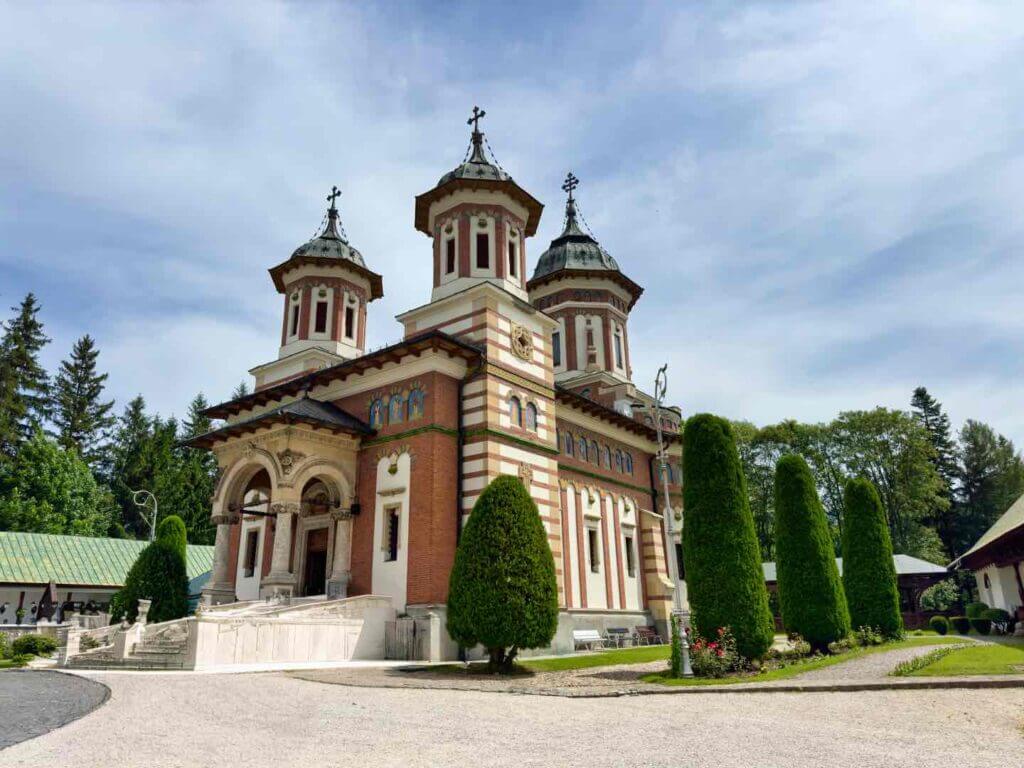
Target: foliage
(715,658)
(867,636)
(869,576)
(810,591)
(962,624)
(980,625)
(171,530)
(502,591)
(36,645)
(910,666)
(940,624)
(974,610)
(929,414)
(82,418)
(158,574)
(45,489)
(241,390)
(24,384)
(1001,619)
(991,479)
(940,596)
(88,643)
(675,664)
(720,549)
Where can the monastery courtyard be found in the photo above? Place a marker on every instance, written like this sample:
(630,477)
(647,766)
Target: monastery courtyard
(189,719)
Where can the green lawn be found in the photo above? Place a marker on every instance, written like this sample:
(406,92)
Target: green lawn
(809,665)
(640,655)
(9,664)
(1003,656)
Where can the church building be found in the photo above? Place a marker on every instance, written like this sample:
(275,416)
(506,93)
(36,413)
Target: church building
(352,472)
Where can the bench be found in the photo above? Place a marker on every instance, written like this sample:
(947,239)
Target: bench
(647,636)
(587,638)
(617,637)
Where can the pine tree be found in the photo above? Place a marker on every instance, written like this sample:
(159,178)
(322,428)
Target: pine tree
(129,469)
(720,548)
(991,479)
(82,418)
(810,591)
(24,385)
(198,476)
(159,574)
(240,391)
(869,575)
(929,414)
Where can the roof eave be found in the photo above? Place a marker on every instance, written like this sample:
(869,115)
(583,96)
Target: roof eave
(634,290)
(375,280)
(533,206)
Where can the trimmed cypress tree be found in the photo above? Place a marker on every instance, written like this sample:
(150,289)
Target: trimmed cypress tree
(869,576)
(502,592)
(810,591)
(158,574)
(720,548)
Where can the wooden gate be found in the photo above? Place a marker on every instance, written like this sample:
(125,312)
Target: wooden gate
(400,640)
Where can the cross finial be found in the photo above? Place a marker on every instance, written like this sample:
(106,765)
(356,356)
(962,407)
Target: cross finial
(475,119)
(335,194)
(571,182)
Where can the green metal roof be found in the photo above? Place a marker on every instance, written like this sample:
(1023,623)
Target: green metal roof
(39,558)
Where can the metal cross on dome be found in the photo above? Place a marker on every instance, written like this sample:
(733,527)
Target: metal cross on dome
(335,194)
(475,119)
(571,182)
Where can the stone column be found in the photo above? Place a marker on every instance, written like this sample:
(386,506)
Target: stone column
(337,584)
(220,589)
(280,582)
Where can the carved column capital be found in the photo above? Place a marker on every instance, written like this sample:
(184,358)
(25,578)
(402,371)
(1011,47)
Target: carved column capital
(341,514)
(285,507)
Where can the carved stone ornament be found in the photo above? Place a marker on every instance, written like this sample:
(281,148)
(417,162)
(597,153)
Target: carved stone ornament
(288,459)
(522,342)
(526,474)
(248,449)
(285,507)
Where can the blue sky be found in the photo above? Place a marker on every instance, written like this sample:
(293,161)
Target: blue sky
(821,199)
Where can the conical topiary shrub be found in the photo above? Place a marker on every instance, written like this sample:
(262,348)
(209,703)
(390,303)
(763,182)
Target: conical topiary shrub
(810,591)
(869,576)
(158,574)
(502,592)
(723,564)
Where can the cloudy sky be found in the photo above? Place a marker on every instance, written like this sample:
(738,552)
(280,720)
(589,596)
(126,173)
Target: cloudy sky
(821,199)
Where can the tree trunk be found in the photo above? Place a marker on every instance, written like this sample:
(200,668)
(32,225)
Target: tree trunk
(497,660)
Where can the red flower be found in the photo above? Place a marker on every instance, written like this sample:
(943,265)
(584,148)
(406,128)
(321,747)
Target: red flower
(721,653)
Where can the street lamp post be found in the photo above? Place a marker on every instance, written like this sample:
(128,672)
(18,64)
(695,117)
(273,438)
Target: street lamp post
(146,496)
(680,608)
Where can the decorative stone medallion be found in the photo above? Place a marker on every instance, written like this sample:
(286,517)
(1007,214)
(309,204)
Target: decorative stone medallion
(522,342)
(288,458)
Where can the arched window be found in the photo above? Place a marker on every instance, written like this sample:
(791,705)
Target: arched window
(515,412)
(595,452)
(396,409)
(531,417)
(377,413)
(606,457)
(618,461)
(416,404)
(583,449)
(568,443)
(627,464)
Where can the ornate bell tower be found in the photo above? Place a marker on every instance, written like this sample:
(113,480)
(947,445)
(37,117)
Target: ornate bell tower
(326,288)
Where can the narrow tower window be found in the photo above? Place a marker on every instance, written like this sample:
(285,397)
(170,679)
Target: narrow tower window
(391,521)
(512,258)
(321,317)
(350,322)
(556,348)
(483,254)
(592,542)
(515,412)
(449,265)
(618,347)
(630,559)
(293,328)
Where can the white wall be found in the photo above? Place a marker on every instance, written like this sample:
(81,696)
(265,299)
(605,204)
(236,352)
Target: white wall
(391,577)
(248,588)
(1002,590)
(597,596)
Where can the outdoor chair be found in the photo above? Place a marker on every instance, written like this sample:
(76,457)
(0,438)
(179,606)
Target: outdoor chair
(587,638)
(617,637)
(646,636)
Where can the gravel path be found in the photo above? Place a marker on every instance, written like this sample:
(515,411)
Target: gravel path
(875,666)
(174,719)
(34,702)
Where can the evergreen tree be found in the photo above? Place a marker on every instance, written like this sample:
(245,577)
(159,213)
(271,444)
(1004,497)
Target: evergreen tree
(810,591)
(159,574)
(720,548)
(869,575)
(198,476)
(80,415)
(502,592)
(929,414)
(129,470)
(24,385)
(991,479)
(240,391)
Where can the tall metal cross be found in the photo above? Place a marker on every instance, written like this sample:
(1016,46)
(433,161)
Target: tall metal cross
(335,194)
(475,119)
(571,182)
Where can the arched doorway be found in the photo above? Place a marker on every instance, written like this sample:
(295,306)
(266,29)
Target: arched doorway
(252,542)
(318,499)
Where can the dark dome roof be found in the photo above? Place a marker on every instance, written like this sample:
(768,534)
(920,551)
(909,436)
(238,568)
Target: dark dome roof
(330,244)
(477,166)
(574,249)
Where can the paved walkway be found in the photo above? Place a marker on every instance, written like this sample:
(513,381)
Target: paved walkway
(33,702)
(159,720)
